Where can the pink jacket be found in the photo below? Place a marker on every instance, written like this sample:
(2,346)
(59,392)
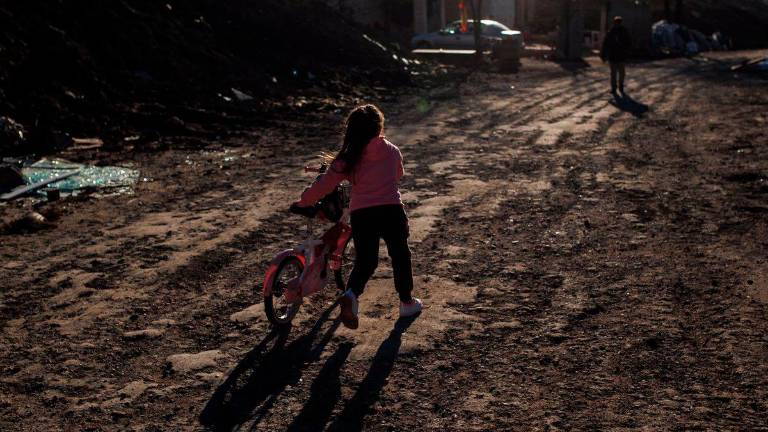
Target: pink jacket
(374,181)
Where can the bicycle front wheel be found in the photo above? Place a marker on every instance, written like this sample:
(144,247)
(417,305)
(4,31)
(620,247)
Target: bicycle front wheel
(278,310)
(341,276)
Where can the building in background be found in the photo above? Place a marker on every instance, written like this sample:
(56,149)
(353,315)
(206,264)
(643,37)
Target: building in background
(503,11)
(524,13)
(637,19)
(593,18)
(392,16)
(432,15)
(404,18)
(366,12)
(421,16)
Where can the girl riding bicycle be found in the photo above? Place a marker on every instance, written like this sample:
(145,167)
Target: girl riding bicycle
(373,166)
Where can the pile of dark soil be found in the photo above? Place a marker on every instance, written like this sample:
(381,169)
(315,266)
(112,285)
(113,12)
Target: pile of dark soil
(744,21)
(92,67)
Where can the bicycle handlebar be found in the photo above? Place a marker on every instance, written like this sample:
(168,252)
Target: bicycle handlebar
(309,212)
(319,169)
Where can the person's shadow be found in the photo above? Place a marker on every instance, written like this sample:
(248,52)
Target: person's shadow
(627,104)
(354,412)
(253,386)
(324,393)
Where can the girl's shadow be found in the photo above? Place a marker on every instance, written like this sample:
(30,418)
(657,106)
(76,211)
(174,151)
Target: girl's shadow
(351,418)
(252,387)
(324,393)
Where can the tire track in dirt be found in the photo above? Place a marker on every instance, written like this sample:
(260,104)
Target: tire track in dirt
(570,296)
(685,294)
(432,201)
(109,312)
(510,106)
(461,189)
(464,188)
(564,322)
(178,239)
(572,303)
(532,258)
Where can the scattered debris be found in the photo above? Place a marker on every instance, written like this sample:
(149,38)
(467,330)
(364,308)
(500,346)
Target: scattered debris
(191,362)
(166,322)
(60,175)
(86,143)
(29,223)
(149,333)
(210,377)
(10,178)
(117,179)
(672,39)
(135,389)
(11,135)
(757,64)
(254,312)
(51,194)
(241,96)
(35,185)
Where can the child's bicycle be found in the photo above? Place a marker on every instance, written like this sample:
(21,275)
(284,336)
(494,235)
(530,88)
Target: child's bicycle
(302,271)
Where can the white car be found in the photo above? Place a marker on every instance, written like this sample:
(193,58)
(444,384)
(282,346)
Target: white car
(451,37)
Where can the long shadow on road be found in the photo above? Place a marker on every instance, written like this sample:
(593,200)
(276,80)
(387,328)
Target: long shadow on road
(627,104)
(351,418)
(251,389)
(253,386)
(324,393)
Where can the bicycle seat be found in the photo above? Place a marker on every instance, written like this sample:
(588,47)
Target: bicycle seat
(309,212)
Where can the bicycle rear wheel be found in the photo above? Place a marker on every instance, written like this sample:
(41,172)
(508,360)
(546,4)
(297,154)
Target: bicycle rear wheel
(341,276)
(278,310)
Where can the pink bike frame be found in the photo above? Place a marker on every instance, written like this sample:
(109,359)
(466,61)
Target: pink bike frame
(315,255)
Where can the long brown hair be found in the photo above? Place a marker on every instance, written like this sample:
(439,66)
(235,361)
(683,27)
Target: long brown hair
(363,124)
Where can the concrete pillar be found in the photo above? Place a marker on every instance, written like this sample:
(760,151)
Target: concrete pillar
(603,21)
(442,13)
(420,19)
(531,9)
(571,37)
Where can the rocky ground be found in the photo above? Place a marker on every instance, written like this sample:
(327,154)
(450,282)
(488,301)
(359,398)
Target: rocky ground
(585,264)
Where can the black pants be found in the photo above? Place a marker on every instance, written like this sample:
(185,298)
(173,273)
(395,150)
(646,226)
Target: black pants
(618,70)
(390,223)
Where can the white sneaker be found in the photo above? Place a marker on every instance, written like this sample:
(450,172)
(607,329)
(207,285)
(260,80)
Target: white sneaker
(349,306)
(410,309)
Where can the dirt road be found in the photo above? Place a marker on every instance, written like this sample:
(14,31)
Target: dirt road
(585,264)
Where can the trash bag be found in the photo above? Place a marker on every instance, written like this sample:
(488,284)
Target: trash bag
(666,38)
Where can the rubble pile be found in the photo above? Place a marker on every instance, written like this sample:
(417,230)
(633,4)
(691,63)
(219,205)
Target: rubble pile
(84,68)
(743,21)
